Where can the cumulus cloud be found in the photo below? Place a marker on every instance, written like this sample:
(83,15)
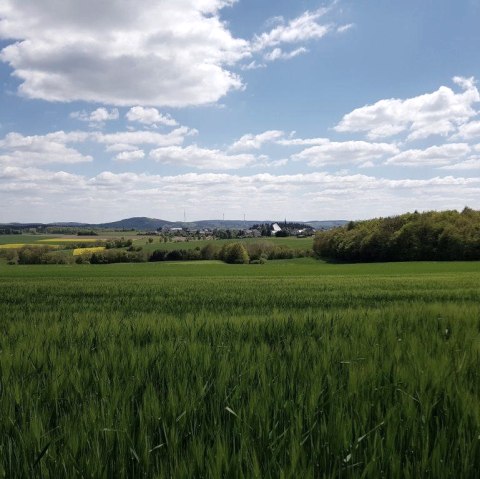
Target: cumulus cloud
(19,150)
(162,54)
(439,113)
(130,155)
(149,116)
(302,141)
(348,152)
(300,196)
(255,142)
(435,156)
(117,141)
(166,53)
(472,163)
(468,131)
(98,116)
(201,158)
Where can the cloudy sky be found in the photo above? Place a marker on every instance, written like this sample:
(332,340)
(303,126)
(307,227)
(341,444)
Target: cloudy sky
(273,108)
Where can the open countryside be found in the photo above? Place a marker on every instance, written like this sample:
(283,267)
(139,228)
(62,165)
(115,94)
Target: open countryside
(293,367)
(239,239)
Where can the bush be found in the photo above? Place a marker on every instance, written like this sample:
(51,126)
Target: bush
(118,243)
(234,253)
(176,255)
(210,251)
(42,255)
(117,256)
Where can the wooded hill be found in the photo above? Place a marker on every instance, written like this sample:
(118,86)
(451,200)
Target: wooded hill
(429,236)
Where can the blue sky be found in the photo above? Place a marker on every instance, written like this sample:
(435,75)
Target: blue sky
(305,110)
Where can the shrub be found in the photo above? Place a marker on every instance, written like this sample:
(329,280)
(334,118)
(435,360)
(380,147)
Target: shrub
(210,251)
(234,253)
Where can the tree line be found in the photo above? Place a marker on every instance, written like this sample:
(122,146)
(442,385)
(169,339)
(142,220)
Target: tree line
(123,251)
(429,236)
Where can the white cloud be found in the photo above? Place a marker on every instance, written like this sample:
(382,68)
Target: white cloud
(208,195)
(130,155)
(468,131)
(162,54)
(98,116)
(117,141)
(114,147)
(253,65)
(439,113)
(472,163)
(348,152)
(166,53)
(149,116)
(36,175)
(255,142)
(303,141)
(19,150)
(435,156)
(201,158)
(345,28)
(279,54)
(301,29)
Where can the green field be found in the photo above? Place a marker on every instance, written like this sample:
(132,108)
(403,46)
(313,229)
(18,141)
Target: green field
(24,238)
(291,242)
(294,369)
(143,241)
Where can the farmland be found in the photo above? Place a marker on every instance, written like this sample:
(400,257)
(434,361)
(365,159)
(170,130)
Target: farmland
(289,369)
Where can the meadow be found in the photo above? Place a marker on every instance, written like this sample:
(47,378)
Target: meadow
(288,369)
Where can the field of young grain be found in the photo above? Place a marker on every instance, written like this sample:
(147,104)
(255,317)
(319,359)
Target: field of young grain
(288,369)
(157,243)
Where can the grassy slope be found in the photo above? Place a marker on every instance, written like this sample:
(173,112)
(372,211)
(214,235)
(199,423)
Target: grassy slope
(298,368)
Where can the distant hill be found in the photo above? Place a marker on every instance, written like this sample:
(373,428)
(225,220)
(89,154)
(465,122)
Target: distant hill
(137,223)
(152,224)
(326,224)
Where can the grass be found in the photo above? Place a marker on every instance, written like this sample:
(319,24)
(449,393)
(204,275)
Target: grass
(291,242)
(77,239)
(290,369)
(23,238)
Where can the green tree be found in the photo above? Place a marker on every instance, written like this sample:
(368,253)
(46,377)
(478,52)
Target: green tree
(234,253)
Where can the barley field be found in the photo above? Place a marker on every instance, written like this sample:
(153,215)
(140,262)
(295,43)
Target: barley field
(292,369)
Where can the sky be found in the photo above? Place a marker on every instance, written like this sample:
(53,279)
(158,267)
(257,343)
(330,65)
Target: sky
(272,109)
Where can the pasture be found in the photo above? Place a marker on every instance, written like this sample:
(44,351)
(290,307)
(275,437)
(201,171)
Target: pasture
(290,369)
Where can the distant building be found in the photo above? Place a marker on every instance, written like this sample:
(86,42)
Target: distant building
(276,228)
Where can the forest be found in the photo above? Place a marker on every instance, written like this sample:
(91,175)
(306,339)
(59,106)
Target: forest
(428,236)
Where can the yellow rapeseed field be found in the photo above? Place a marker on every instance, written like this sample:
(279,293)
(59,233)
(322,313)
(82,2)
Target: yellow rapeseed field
(69,240)
(79,251)
(21,245)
